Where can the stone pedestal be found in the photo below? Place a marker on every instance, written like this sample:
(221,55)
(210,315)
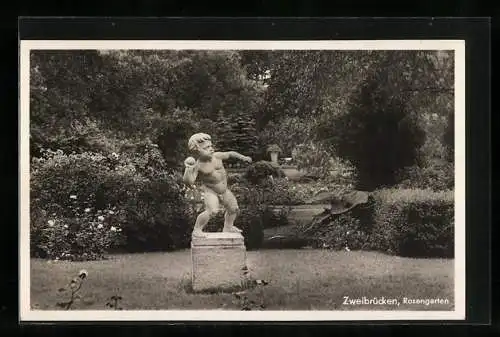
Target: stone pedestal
(218,261)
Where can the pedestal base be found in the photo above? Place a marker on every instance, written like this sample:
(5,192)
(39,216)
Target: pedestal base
(218,261)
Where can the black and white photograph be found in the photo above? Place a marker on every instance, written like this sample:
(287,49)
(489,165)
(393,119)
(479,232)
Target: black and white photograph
(242,180)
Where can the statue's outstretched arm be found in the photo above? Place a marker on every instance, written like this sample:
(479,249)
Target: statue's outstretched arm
(232,154)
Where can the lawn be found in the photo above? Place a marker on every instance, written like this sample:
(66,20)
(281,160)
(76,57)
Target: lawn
(306,279)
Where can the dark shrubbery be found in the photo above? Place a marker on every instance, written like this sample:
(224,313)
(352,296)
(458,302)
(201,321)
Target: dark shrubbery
(262,170)
(413,223)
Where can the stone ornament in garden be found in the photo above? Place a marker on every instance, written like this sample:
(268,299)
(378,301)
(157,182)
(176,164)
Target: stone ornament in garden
(208,168)
(274,150)
(208,250)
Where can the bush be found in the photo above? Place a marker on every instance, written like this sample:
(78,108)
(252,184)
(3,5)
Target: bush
(319,161)
(259,171)
(153,211)
(157,217)
(416,223)
(404,222)
(345,232)
(88,235)
(438,175)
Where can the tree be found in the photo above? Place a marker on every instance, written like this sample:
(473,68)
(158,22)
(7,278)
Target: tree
(237,132)
(61,86)
(378,134)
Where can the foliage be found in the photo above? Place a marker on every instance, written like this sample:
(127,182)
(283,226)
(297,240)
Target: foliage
(174,133)
(416,223)
(279,191)
(317,160)
(404,222)
(238,133)
(437,175)
(260,171)
(136,186)
(111,128)
(287,133)
(379,135)
(297,80)
(86,235)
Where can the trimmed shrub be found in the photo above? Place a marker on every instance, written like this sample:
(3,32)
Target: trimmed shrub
(403,222)
(416,223)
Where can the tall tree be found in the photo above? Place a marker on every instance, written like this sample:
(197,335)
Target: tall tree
(379,134)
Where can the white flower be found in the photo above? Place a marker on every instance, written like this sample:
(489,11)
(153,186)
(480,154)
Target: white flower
(111,212)
(100,218)
(72,196)
(87,210)
(51,223)
(99,226)
(113,228)
(83,274)
(65,226)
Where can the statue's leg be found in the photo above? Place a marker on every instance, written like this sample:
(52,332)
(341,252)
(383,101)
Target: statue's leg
(211,208)
(232,210)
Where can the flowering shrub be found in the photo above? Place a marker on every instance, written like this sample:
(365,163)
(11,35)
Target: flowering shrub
(94,202)
(86,235)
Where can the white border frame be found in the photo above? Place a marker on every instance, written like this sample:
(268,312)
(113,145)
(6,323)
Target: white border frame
(26,314)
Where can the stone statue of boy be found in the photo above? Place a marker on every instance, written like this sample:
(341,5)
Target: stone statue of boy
(209,169)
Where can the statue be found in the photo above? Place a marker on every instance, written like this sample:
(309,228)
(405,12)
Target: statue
(209,169)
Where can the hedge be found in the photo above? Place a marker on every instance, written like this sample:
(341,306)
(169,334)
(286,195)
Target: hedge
(403,222)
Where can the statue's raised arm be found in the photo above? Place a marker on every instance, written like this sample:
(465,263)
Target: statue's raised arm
(190,171)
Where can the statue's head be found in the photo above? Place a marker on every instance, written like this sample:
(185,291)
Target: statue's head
(201,143)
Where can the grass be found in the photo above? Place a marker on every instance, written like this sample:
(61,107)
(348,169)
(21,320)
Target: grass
(297,280)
